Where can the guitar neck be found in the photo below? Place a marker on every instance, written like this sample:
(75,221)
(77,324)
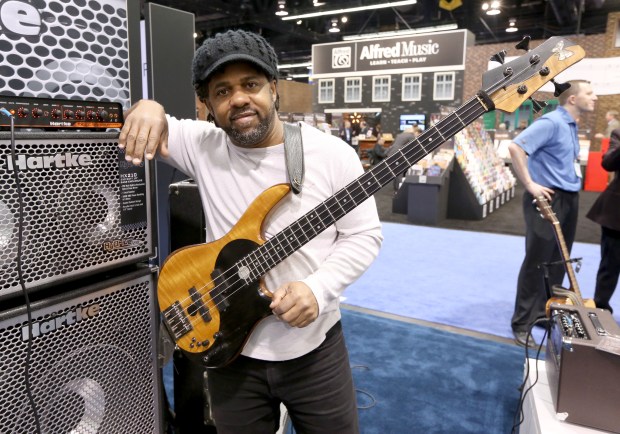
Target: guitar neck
(572,279)
(304,229)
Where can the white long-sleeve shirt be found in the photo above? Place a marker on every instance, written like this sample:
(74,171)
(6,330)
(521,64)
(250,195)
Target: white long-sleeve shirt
(229,178)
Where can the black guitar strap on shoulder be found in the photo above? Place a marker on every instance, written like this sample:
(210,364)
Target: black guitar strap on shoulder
(294,151)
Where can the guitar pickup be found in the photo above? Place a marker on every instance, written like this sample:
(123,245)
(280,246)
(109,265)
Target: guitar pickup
(220,290)
(175,320)
(198,305)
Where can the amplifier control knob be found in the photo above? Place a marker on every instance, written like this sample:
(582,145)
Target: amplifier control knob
(102,115)
(36,112)
(22,112)
(69,114)
(56,113)
(80,114)
(90,115)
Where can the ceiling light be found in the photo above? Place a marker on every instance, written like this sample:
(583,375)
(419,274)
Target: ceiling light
(334,28)
(344,19)
(281,12)
(294,65)
(512,25)
(403,32)
(353,9)
(491,8)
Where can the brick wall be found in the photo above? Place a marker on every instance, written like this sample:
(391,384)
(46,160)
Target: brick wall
(295,97)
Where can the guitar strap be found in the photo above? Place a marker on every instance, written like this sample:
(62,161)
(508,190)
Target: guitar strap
(294,152)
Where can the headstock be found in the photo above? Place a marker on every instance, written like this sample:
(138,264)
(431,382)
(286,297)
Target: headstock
(545,210)
(510,84)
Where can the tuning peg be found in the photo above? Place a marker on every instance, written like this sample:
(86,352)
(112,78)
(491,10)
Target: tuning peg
(499,57)
(559,87)
(524,44)
(538,105)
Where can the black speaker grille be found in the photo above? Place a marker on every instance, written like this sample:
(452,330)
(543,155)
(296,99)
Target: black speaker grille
(77,218)
(79,51)
(92,372)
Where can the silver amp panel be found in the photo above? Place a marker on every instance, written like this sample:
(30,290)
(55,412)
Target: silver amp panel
(69,49)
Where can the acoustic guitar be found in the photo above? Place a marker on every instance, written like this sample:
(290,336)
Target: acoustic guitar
(547,213)
(212,295)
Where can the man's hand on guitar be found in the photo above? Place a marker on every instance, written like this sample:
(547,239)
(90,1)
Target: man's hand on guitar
(295,304)
(538,190)
(144,131)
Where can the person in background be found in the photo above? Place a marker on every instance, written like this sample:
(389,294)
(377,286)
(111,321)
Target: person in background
(545,157)
(364,128)
(376,131)
(612,124)
(606,212)
(407,136)
(378,152)
(296,356)
(346,132)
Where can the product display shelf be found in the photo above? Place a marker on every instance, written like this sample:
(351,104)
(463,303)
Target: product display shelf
(481,182)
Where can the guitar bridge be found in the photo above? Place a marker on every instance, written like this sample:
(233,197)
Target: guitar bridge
(177,323)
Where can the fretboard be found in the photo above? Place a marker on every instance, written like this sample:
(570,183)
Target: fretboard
(304,229)
(572,279)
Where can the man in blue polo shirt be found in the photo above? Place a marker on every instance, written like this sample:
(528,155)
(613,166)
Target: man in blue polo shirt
(545,157)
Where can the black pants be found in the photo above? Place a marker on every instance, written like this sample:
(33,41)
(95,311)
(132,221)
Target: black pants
(609,268)
(541,247)
(317,390)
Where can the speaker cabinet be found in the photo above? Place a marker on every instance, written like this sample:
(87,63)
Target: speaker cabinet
(187,220)
(93,365)
(191,396)
(84,208)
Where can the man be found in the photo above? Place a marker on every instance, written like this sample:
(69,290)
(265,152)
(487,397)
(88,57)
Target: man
(612,123)
(545,157)
(346,132)
(606,212)
(296,356)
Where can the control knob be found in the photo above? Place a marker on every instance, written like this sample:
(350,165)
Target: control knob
(102,115)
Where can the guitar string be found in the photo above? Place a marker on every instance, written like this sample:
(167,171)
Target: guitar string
(358,193)
(552,218)
(451,130)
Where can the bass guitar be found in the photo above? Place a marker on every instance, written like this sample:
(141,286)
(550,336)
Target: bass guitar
(574,298)
(212,295)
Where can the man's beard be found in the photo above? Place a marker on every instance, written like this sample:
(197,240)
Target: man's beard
(254,136)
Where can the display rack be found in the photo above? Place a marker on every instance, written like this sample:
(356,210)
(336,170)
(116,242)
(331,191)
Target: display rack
(481,183)
(422,193)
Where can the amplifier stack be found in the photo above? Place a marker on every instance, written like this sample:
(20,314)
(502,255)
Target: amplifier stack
(77,230)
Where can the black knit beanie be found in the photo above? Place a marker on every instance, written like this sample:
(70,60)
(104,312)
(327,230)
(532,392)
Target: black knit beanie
(231,46)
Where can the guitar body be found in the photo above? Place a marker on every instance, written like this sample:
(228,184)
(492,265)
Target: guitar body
(587,302)
(209,310)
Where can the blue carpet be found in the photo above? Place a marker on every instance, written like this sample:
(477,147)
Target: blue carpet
(459,278)
(425,380)
(415,379)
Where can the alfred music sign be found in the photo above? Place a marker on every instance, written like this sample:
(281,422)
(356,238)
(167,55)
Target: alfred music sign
(432,51)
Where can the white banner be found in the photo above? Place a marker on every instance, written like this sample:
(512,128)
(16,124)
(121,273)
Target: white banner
(602,72)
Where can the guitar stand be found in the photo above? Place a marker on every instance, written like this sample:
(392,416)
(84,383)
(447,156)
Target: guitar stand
(545,267)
